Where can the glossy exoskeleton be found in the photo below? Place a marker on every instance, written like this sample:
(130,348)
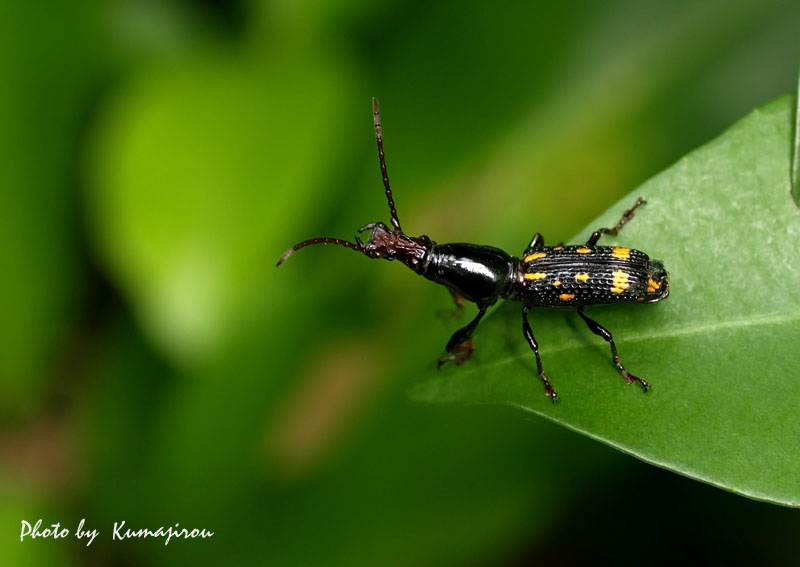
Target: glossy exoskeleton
(561,277)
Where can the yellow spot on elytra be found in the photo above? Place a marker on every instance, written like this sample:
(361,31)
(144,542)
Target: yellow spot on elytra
(557,283)
(582,277)
(559,247)
(534,256)
(621,253)
(535,276)
(566,296)
(583,250)
(620,281)
(653,286)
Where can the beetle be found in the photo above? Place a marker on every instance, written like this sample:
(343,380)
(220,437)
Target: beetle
(556,277)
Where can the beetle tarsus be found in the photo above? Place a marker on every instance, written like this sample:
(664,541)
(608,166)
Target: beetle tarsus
(461,354)
(626,216)
(632,378)
(548,389)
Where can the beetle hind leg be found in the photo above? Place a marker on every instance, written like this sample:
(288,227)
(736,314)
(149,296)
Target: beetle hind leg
(626,216)
(598,329)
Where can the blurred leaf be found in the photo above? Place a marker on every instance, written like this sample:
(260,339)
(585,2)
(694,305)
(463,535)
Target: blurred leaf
(796,145)
(199,163)
(721,353)
(25,502)
(441,484)
(49,68)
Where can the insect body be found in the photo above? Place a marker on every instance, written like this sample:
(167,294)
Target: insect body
(561,277)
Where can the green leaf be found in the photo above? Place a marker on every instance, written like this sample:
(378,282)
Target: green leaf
(50,67)
(721,352)
(796,146)
(195,167)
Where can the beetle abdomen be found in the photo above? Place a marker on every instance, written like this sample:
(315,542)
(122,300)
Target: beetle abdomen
(571,276)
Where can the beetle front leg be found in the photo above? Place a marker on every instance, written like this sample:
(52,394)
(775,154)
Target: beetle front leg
(460,344)
(528,332)
(598,329)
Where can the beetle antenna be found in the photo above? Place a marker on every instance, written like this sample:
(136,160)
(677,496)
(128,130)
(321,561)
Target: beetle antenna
(377,115)
(358,247)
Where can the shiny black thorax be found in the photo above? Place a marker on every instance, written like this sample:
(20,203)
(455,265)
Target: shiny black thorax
(481,274)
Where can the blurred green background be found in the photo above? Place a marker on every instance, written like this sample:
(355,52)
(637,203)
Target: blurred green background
(159,156)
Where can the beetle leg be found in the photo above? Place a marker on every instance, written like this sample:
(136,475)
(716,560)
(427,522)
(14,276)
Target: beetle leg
(460,344)
(598,329)
(457,299)
(528,332)
(456,313)
(537,243)
(626,216)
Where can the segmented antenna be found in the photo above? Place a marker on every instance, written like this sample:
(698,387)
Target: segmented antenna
(392,210)
(357,247)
